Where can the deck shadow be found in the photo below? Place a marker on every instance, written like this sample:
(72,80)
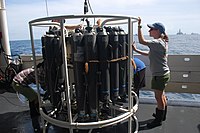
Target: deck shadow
(143,124)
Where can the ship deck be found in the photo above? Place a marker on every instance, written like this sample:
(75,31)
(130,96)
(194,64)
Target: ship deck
(14,117)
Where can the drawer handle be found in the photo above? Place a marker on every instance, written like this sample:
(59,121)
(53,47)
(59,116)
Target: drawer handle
(186,59)
(184,86)
(185,75)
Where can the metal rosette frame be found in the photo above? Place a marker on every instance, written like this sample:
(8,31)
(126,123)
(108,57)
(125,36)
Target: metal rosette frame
(126,112)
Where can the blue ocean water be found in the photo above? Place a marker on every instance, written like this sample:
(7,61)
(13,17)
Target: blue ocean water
(178,45)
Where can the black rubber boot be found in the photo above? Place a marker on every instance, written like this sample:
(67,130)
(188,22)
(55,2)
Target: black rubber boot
(35,116)
(158,119)
(165,114)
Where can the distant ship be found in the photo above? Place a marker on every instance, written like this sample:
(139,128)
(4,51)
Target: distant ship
(194,33)
(179,32)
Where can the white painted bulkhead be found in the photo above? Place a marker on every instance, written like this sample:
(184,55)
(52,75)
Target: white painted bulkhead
(4,34)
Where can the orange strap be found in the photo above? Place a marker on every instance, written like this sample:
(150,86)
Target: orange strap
(86,68)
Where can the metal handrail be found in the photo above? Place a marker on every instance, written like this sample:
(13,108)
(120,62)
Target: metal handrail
(127,115)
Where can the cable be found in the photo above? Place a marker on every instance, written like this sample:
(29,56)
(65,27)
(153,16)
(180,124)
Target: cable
(91,10)
(90,7)
(47,10)
(21,99)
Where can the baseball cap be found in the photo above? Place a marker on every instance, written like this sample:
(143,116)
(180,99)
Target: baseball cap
(158,26)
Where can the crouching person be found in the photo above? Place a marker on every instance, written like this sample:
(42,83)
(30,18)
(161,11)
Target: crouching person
(21,84)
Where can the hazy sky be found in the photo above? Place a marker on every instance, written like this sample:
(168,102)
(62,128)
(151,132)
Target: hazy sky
(174,14)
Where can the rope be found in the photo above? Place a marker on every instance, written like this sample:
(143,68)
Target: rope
(119,59)
(113,60)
